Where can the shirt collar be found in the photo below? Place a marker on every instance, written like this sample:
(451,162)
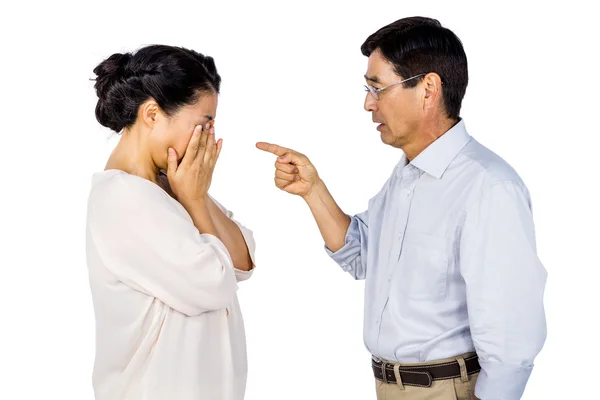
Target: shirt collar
(436,157)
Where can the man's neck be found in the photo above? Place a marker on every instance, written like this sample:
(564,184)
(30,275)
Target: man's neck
(428,133)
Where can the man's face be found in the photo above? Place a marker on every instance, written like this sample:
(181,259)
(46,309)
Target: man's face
(399,109)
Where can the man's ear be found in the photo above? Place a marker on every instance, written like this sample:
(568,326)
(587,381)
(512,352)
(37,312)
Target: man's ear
(432,90)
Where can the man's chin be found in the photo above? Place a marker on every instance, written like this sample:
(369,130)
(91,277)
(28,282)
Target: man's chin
(390,140)
(385,137)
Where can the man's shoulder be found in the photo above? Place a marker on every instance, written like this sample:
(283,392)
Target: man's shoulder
(488,165)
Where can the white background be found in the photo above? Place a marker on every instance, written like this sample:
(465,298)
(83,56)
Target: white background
(292,74)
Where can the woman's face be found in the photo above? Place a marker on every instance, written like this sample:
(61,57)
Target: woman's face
(176,131)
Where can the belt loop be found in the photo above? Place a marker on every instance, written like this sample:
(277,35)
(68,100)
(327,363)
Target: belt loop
(398,377)
(464,377)
(383,373)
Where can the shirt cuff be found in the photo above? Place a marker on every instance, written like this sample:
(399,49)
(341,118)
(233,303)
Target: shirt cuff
(501,381)
(344,256)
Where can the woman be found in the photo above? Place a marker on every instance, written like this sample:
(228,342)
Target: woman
(164,258)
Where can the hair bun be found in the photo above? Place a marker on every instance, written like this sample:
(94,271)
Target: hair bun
(110,71)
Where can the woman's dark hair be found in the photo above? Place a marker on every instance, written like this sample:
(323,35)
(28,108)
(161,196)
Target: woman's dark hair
(172,76)
(419,45)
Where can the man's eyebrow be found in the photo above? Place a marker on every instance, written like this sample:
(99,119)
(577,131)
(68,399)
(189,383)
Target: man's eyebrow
(372,79)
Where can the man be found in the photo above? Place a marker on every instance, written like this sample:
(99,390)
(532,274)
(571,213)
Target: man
(454,288)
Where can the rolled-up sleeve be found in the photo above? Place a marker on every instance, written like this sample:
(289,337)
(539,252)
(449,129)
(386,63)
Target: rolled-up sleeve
(352,257)
(505,286)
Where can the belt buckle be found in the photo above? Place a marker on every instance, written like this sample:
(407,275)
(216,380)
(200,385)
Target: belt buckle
(383,373)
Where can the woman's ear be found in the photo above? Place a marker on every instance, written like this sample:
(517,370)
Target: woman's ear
(149,112)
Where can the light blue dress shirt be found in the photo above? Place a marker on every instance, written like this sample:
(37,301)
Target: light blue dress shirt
(447,248)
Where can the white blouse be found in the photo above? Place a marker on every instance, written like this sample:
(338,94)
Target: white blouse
(168,322)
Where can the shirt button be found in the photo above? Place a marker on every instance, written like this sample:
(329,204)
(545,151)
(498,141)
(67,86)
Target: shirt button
(407,192)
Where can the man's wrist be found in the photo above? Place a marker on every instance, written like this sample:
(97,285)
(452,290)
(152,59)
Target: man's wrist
(316,192)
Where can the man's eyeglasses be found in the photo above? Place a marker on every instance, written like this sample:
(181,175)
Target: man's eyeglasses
(375,91)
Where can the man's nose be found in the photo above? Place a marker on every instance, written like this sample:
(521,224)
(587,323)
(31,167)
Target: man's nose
(370,103)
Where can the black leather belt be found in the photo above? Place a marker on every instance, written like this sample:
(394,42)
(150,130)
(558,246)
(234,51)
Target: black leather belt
(423,375)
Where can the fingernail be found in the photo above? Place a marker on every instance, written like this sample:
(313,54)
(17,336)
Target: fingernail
(295,170)
(212,131)
(171,152)
(296,178)
(281,158)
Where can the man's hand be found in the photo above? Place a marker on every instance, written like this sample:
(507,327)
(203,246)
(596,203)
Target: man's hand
(294,173)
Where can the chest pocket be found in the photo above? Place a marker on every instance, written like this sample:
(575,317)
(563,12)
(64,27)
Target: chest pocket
(423,266)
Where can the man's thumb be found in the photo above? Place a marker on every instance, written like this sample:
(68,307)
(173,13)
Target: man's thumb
(287,158)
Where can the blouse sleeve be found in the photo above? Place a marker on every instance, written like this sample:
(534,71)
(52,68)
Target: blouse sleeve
(149,242)
(250,243)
